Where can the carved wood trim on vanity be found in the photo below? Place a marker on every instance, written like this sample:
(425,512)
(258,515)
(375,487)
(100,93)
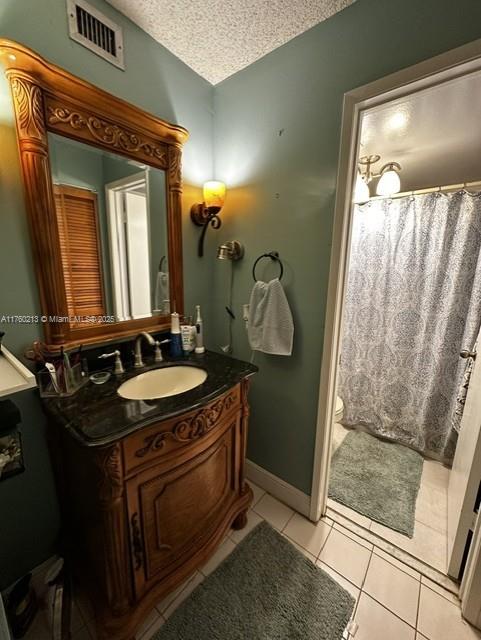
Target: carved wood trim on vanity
(190,427)
(48,98)
(111,501)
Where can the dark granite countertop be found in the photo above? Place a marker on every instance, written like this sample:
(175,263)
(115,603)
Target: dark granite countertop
(96,415)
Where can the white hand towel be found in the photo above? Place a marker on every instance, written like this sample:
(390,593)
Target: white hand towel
(270,326)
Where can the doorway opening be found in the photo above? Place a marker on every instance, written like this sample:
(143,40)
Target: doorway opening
(397,452)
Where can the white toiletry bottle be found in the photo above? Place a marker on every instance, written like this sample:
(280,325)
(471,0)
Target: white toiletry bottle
(199,335)
(175,337)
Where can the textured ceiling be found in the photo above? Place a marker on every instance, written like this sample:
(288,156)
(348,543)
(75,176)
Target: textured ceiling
(216,38)
(434,134)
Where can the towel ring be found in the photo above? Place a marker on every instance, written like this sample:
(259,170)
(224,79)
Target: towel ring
(273,255)
(162,260)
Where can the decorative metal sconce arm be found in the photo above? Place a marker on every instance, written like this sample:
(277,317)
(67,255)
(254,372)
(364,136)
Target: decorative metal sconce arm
(204,216)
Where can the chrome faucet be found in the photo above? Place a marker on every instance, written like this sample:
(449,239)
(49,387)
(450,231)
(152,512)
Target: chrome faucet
(119,367)
(138,349)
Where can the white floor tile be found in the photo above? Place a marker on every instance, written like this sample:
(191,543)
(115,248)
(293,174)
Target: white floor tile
(153,628)
(351,534)
(346,556)
(438,589)
(377,623)
(276,513)
(258,492)
(341,580)
(393,588)
(432,507)
(397,563)
(427,544)
(253,519)
(185,594)
(304,552)
(221,554)
(165,603)
(440,619)
(308,535)
(146,624)
(435,474)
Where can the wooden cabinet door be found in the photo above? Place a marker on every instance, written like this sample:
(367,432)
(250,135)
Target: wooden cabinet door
(173,513)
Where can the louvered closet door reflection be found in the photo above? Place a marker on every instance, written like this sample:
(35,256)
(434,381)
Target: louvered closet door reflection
(80,248)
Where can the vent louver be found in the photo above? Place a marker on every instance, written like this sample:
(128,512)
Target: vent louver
(95,31)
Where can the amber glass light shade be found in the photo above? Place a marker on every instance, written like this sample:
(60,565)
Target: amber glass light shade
(214,194)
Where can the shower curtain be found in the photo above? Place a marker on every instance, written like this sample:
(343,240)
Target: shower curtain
(413,302)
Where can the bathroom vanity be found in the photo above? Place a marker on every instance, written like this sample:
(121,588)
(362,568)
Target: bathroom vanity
(149,488)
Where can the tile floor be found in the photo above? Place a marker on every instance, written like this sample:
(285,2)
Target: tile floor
(393,601)
(429,542)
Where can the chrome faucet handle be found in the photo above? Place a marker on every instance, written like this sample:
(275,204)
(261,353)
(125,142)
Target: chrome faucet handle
(158,352)
(118,366)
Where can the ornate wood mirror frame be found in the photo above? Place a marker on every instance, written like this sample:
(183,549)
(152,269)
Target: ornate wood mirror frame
(48,98)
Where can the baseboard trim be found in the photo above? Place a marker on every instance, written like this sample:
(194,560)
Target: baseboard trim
(277,487)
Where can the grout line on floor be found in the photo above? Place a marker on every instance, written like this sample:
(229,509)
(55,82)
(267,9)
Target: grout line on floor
(378,541)
(324,544)
(290,518)
(388,610)
(419,604)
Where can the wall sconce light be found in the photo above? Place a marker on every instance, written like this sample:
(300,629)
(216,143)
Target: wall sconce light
(231,250)
(389,181)
(206,213)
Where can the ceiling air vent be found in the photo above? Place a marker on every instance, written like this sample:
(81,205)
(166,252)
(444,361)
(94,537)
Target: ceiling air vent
(95,31)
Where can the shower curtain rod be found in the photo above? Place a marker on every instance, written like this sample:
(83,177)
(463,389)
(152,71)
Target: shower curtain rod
(419,192)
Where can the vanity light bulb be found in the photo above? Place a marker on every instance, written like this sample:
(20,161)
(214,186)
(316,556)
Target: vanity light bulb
(389,183)
(214,194)
(361,191)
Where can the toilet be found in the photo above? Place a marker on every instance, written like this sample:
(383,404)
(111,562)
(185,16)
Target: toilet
(339,409)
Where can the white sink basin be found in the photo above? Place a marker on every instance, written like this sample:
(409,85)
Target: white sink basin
(161,383)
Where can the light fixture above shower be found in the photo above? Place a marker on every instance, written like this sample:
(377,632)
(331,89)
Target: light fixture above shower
(389,181)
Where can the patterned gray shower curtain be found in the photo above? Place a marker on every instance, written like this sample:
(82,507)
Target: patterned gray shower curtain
(413,302)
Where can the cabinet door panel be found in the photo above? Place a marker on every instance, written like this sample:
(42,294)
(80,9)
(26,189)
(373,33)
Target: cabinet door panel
(181,508)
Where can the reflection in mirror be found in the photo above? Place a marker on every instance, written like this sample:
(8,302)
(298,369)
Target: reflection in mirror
(112,223)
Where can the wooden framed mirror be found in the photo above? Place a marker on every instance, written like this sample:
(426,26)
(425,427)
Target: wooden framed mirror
(103,192)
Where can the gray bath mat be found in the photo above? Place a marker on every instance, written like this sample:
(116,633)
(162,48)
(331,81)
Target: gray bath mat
(265,590)
(378,479)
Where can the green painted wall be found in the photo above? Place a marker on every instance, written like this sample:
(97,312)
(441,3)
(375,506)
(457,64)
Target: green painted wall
(277,132)
(154,80)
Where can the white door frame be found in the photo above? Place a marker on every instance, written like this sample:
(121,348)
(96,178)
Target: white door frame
(113,191)
(429,73)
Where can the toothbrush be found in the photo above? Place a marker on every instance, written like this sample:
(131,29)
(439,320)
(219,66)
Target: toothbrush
(69,383)
(53,375)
